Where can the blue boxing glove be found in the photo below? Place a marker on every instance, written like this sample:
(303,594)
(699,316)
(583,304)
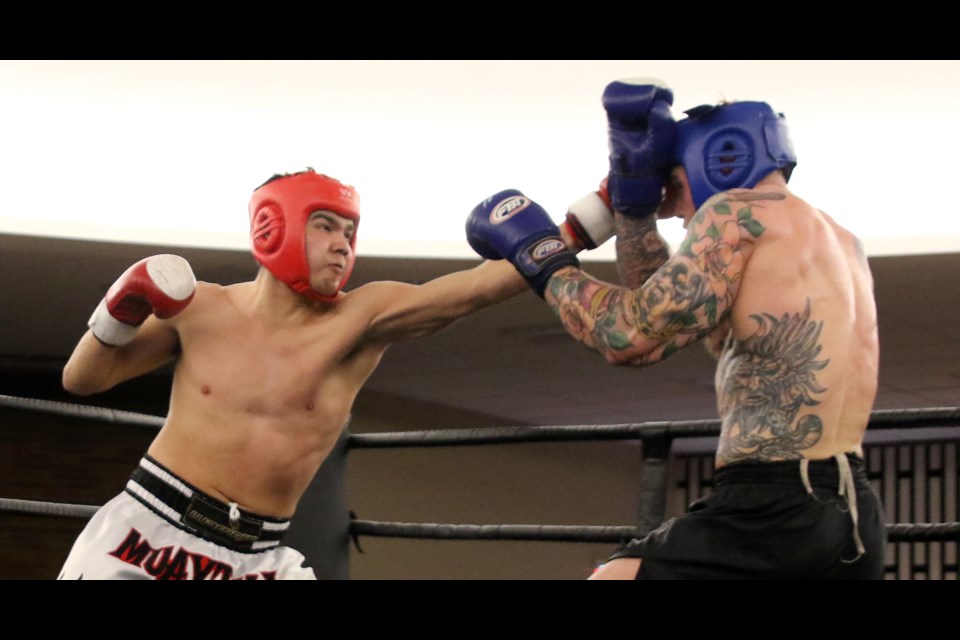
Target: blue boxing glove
(642,134)
(509,225)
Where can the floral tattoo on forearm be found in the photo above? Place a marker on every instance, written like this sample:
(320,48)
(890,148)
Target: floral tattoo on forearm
(680,303)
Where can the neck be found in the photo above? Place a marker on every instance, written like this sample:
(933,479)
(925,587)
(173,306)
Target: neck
(275,300)
(773,180)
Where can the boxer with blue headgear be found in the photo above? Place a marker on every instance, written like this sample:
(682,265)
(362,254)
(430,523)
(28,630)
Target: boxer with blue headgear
(732,146)
(779,293)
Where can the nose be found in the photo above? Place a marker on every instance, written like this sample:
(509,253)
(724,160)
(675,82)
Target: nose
(341,245)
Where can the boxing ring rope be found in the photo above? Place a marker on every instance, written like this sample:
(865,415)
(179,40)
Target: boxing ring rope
(100,414)
(654,436)
(880,419)
(901,532)
(530,532)
(36,507)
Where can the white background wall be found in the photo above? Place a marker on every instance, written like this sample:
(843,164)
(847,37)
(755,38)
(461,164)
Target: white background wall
(168,151)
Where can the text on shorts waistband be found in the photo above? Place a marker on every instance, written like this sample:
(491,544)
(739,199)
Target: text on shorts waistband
(189,508)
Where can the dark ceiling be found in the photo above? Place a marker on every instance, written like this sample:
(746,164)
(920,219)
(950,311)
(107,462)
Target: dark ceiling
(512,362)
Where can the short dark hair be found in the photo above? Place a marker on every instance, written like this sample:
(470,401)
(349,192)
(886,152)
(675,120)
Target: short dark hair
(277,176)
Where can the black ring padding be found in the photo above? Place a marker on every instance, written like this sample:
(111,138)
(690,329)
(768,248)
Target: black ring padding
(903,532)
(900,418)
(924,532)
(10,505)
(550,533)
(85,412)
(881,419)
(498,435)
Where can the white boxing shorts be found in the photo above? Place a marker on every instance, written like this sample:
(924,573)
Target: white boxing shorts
(162,528)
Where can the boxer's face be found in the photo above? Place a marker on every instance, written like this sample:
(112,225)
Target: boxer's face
(677,200)
(329,255)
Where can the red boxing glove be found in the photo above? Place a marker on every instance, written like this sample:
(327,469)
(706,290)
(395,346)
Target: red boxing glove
(162,285)
(590,219)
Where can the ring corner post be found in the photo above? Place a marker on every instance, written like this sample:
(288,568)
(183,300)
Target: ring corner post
(320,529)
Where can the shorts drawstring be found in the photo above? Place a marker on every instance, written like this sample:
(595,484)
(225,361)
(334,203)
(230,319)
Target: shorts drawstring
(847,489)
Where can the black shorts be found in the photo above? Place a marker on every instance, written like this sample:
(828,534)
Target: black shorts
(762,523)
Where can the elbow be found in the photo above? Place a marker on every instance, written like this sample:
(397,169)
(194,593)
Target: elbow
(76,384)
(629,358)
(620,359)
(73,386)
(616,358)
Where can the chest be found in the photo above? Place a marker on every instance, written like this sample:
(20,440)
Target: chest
(229,350)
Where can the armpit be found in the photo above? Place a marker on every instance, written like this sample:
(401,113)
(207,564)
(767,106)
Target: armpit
(719,339)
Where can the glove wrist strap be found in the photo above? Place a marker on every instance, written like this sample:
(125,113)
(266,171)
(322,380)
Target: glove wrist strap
(541,258)
(108,329)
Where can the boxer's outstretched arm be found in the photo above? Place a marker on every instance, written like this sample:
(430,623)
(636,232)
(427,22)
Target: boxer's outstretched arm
(404,311)
(411,311)
(688,297)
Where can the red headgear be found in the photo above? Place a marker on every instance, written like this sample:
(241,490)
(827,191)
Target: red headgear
(279,211)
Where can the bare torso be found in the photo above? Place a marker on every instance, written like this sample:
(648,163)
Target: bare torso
(778,292)
(265,378)
(797,377)
(258,402)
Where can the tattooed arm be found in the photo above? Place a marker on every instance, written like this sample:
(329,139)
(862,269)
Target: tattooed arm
(685,299)
(641,250)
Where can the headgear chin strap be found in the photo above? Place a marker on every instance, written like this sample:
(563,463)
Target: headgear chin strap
(279,210)
(732,146)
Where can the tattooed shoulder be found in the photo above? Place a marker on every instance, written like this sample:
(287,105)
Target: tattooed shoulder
(717,222)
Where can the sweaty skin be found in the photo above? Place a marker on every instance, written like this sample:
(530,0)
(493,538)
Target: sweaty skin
(778,292)
(265,379)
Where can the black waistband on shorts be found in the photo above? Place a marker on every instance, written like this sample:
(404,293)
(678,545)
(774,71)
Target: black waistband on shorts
(822,473)
(844,473)
(189,508)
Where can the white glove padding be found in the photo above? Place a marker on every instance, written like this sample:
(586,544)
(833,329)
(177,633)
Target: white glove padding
(590,219)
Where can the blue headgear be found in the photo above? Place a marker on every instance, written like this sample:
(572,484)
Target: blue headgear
(732,145)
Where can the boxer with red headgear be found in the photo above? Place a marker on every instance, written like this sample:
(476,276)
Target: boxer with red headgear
(266,374)
(779,293)
(279,212)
